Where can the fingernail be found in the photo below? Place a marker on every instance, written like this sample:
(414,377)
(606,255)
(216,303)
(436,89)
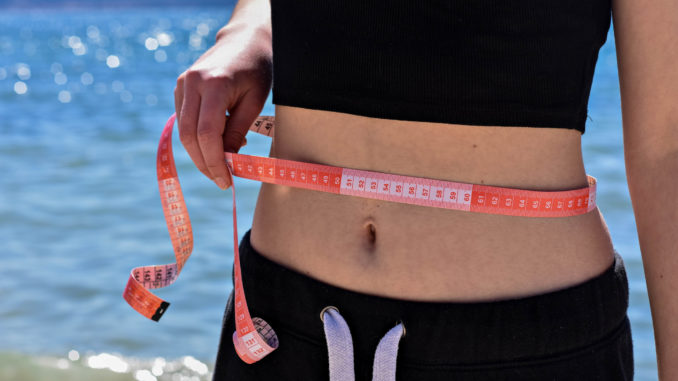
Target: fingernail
(221,183)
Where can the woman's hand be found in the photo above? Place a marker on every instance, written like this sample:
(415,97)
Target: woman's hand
(234,75)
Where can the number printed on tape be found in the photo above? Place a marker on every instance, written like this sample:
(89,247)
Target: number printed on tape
(250,345)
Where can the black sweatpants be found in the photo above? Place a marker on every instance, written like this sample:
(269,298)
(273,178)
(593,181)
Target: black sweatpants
(578,333)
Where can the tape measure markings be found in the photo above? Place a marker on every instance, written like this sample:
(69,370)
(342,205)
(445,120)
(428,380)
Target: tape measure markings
(254,338)
(414,190)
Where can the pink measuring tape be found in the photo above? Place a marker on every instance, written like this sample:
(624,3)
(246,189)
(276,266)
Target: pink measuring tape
(253,337)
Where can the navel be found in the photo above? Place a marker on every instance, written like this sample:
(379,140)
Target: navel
(371,233)
(369,257)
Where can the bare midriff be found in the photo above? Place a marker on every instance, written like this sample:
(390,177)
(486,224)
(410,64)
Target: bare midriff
(421,253)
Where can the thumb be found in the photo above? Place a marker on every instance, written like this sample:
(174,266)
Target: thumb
(239,121)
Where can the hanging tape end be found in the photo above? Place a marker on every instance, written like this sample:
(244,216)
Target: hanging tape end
(160,311)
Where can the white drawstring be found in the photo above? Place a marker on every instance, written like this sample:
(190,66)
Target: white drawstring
(340,349)
(339,345)
(384,368)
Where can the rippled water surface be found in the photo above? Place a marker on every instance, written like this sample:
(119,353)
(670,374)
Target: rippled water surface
(83,97)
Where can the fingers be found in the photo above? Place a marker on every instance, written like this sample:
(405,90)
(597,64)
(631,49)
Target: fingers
(211,124)
(178,97)
(205,131)
(188,123)
(239,121)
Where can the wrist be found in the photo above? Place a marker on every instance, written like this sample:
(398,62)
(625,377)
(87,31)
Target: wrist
(261,29)
(253,41)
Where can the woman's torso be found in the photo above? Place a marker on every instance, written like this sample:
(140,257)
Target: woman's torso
(421,253)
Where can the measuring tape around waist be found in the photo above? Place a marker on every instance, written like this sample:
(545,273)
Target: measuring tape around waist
(254,338)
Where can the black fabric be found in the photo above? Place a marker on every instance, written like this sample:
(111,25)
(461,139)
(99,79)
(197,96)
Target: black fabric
(577,333)
(481,62)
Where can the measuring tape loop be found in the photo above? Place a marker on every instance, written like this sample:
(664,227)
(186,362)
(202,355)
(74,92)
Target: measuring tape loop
(254,338)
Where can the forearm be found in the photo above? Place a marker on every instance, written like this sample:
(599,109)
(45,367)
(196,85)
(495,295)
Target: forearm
(653,185)
(254,15)
(233,76)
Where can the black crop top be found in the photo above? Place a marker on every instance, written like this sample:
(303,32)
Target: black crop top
(485,62)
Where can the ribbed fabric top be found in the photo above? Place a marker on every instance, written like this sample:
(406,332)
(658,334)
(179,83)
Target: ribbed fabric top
(478,62)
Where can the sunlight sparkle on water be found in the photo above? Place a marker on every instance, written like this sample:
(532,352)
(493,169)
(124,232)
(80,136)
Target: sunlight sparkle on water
(62,364)
(23,72)
(73,41)
(158,366)
(80,50)
(195,365)
(151,43)
(203,29)
(86,78)
(20,88)
(93,32)
(112,61)
(164,39)
(144,375)
(195,41)
(60,78)
(64,96)
(160,55)
(107,361)
(73,355)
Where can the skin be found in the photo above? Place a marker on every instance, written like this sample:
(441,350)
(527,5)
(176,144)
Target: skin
(646,35)
(418,253)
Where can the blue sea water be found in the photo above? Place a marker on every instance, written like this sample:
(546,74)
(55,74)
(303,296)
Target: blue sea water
(83,97)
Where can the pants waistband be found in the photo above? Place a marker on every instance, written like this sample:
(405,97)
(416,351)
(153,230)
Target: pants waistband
(454,333)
